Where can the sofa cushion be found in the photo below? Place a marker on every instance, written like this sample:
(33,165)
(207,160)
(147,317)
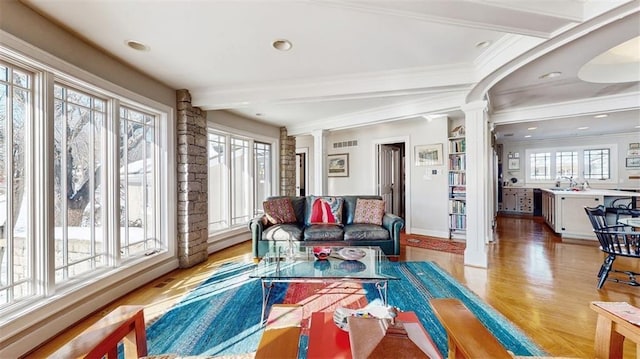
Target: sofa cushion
(349,206)
(282,232)
(369,211)
(279,210)
(324,210)
(323,232)
(364,232)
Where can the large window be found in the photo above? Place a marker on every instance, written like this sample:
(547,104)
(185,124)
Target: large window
(567,164)
(262,170)
(586,163)
(16,233)
(80,181)
(238,182)
(78,156)
(596,164)
(540,165)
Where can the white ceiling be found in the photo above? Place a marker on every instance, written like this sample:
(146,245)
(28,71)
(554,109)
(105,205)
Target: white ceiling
(352,62)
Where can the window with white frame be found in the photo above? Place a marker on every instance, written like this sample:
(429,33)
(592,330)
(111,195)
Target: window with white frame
(567,164)
(17,280)
(238,182)
(582,163)
(540,165)
(138,178)
(78,154)
(262,170)
(597,164)
(78,134)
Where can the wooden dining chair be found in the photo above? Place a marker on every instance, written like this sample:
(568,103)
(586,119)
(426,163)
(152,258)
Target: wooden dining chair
(615,240)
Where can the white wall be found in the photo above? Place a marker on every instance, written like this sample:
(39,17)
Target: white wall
(427,195)
(621,142)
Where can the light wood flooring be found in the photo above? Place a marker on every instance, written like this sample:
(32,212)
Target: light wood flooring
(542,284)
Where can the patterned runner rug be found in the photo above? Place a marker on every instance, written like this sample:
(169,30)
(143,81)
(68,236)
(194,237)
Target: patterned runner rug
(436,244)
(222,315)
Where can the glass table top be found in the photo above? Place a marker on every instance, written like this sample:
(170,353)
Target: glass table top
(302,264)
(634,222)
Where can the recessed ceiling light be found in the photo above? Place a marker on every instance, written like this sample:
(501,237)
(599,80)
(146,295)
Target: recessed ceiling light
(282,45)
(527,136)
(137,45)
(601,116)
(531,128)
(583,128)
(483,44)
(637,126)
(550,75)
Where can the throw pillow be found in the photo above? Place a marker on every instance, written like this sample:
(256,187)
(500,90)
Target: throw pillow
(279,210)
(369,211)
(326,210)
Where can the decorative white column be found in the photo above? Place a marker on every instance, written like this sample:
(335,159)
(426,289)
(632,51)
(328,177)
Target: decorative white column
(478,181)
(319,162)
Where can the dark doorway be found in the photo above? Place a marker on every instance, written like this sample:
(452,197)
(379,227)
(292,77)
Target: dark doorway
(391,177)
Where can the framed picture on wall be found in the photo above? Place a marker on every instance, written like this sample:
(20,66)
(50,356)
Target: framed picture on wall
(633,162)
(429,155)
(338,165)
(514,163)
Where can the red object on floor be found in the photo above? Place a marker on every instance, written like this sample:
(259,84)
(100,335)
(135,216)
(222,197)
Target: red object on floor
(326,340)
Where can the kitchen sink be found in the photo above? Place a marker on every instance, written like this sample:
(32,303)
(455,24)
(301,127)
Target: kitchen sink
(560,189)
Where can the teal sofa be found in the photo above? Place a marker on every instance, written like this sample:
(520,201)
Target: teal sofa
(387,236)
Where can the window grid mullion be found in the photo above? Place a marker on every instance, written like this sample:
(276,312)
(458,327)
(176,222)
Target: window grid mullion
(9,195)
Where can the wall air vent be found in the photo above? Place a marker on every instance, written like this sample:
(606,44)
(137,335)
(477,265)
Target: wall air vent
(508,135)
(343,144)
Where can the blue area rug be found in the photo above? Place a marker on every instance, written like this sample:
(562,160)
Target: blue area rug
(222,315)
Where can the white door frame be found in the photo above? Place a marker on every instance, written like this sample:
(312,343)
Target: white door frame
(407,172)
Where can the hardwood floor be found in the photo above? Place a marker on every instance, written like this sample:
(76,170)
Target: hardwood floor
(542,284)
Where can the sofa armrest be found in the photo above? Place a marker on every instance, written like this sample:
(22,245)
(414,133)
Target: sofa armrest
(256,226)
(394,225)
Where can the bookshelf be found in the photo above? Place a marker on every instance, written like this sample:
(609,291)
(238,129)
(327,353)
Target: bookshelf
(457,187)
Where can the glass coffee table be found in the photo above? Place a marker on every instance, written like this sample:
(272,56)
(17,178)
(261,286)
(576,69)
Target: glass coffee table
(343,264)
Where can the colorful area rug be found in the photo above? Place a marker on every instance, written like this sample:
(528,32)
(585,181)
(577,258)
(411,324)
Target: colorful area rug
(222,315)
(442,245)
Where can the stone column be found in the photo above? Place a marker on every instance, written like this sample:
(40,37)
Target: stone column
(192,182)
(287,163)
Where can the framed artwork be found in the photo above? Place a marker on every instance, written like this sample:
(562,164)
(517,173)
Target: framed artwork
(338,165)
(634,146)
(429,155)
(514,164)
(633,162)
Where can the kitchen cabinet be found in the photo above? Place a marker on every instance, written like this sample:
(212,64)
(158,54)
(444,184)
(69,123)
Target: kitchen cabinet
(572,219)
(549,209)
(563,211)
(517,200)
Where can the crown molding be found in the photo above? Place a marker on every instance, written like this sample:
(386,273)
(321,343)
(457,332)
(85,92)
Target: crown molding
(574,33)
(354,86)
(445,20)
(507,48)
(437,103)
(590,106)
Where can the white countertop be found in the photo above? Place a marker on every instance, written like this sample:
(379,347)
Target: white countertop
(594,192)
